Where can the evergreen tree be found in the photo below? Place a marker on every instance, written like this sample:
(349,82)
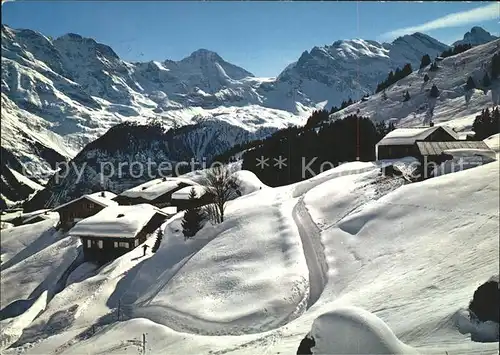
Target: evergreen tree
(193,218)
(159,237)
(495,66)
(486,80)
(434,91)
(390,77)
(470,84)
(426,60)
(426,78)
(486,124)
(407,70)
(406,96)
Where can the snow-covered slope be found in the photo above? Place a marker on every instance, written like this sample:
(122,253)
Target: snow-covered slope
(477,35)
(455,106)
(412,256)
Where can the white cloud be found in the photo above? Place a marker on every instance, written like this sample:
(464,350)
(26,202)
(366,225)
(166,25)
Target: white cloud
(484,13)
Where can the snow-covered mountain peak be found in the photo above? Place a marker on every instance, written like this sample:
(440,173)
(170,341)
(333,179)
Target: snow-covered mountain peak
(351,68)
(476,36)
(75,42)
(203,53)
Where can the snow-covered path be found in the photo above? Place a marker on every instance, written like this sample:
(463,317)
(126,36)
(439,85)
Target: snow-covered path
(310,235)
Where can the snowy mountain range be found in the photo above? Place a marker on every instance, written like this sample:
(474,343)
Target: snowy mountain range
(60,94)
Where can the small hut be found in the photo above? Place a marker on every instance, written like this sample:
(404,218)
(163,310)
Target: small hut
(116,230)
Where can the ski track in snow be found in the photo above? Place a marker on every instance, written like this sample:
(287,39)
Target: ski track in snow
(315,258)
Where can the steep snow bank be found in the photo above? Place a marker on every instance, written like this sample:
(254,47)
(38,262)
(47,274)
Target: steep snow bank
(353,330)
(248,182)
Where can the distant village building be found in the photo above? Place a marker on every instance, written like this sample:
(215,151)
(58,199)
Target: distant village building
(180,198)
(157,192)
(116,230)
(83,207)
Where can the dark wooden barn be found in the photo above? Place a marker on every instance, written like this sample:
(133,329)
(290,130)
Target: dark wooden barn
(116,230)
(83,207)
(400,143)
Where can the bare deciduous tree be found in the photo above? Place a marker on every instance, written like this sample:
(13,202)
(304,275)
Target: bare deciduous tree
(222,184)
(212,213)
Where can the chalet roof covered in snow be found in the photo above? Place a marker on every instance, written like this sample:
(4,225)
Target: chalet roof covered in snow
(153,189)
(183,194)
(116,221)
(44,216)
(102,198)
(408,136)
(170,210)
(437,148)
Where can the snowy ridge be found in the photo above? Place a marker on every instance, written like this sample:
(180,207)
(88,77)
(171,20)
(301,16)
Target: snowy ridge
(454,107)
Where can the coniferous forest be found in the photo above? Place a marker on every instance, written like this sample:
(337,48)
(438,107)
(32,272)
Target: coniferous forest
(307,151)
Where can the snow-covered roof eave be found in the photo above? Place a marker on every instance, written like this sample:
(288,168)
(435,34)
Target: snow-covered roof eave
(90,198)
(90,229)
(419,134)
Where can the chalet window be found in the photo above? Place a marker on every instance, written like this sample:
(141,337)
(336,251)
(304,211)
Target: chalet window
(121,245)
(89,243)
(136,242)
(100,244)
(90,205)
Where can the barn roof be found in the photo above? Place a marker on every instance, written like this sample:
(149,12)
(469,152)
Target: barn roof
(183,194)
(117,221)
(96,197)
(408,136)
(153,189)
(437,148)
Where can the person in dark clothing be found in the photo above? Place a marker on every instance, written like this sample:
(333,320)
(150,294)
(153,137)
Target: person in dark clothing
(144,247)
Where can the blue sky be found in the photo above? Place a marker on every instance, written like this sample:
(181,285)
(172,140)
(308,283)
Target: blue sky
(262,37)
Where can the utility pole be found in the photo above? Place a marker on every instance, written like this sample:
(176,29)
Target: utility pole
(143,343)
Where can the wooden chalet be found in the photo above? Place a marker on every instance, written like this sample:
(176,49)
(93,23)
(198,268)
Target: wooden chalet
(83,207)
(180,198)
(116,230)
(430,146)
(157,192)
(401,142)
